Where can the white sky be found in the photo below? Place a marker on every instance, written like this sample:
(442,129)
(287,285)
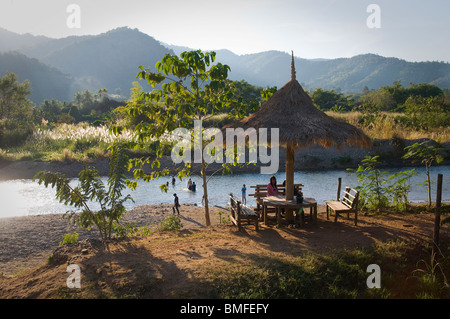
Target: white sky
(414,30)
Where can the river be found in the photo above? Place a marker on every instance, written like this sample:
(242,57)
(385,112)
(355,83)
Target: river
(25,197)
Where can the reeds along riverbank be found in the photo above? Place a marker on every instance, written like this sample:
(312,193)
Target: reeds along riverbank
(388,125)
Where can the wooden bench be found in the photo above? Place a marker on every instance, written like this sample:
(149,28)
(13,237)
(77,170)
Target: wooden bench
(347,204)
(261,192)
(240,213)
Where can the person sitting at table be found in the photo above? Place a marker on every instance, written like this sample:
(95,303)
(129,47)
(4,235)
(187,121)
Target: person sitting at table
(272,189)
(296,193)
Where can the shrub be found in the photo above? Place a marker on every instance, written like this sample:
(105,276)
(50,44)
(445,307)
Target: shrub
(377,190)
(170,223)
(371,179)
(69,238)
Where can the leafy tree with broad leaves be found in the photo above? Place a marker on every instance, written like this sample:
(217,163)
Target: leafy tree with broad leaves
(371,180)
(90,189)
(268,92)
(192,88)
(377,189)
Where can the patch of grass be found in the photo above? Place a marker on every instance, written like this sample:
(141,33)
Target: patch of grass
(340,274)
(308,276)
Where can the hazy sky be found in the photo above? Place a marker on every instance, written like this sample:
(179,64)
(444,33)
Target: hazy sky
(414,30)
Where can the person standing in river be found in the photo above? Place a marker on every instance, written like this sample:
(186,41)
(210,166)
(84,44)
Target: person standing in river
(176,204)
(244,193)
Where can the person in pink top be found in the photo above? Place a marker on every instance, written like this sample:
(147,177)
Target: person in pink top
(272,189)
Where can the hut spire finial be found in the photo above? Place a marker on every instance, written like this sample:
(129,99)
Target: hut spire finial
(292,67)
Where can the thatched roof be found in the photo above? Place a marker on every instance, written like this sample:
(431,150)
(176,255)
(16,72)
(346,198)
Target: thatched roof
(300,123)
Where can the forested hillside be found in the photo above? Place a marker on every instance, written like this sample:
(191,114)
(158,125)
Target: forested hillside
(110,60)
(46,81)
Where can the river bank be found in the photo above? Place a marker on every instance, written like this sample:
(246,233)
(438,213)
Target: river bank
(174,264)
(26,242)
(311,159)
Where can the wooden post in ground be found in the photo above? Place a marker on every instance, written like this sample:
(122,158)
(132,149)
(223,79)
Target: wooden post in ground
(437,215)
(339,189)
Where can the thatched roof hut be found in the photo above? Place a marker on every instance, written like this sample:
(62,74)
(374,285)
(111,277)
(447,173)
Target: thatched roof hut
(301,125)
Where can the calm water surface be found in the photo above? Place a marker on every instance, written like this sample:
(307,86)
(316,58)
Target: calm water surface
(25,197)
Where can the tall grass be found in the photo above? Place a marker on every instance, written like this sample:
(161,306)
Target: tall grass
(80,142)
(66,142)
(82,132)
(386,125)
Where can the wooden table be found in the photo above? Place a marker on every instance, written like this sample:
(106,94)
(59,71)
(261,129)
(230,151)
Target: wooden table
(280,202)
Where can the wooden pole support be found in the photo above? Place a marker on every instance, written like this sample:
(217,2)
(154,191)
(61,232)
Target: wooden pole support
(339,188)
(437,215)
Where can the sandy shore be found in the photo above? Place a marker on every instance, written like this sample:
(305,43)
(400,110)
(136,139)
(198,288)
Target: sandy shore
(27,241)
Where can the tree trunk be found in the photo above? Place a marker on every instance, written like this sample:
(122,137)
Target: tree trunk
(205,193)
(289,172)
(290,154)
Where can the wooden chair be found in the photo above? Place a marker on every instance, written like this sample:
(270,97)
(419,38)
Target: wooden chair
(240,213)
(347,204)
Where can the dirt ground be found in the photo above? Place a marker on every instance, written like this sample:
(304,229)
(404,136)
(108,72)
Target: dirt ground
(26,243)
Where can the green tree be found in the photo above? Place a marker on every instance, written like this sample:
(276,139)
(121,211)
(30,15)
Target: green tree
(397,91)
(378,100)
(90,188)
(326,100)
(85,100)
(250,95)
(101,94)
(427,154)
(16,111)
(50,110)
(427,112)
(192,88)
(268,92)
(122,113)
(424,90)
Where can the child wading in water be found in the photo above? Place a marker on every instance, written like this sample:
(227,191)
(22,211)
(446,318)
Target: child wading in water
(244,199)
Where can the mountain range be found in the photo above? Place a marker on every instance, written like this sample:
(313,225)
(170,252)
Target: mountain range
(58,68)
